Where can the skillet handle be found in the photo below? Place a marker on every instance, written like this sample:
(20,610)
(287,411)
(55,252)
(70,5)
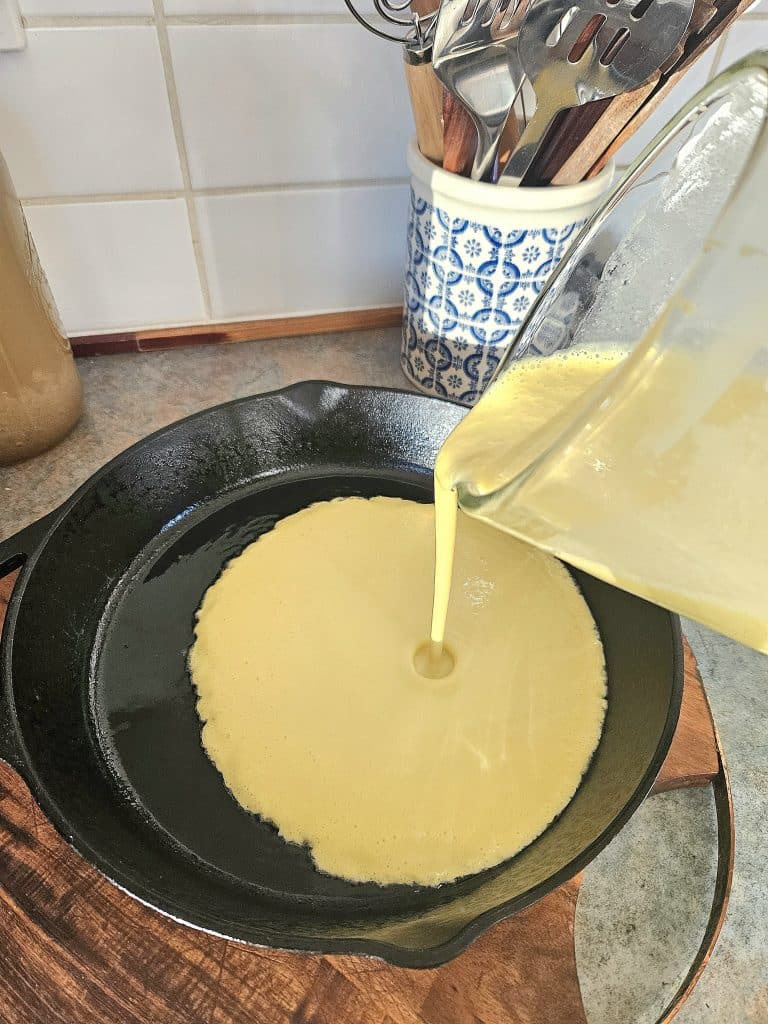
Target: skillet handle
(14,552)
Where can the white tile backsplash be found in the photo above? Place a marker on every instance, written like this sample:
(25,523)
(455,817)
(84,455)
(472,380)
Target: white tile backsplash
(279,104)
(85,110)
(304,251)
(87,8)
(122,264)
(297,116)
(742,39)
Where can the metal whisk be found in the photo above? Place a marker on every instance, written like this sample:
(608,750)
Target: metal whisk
(413,29)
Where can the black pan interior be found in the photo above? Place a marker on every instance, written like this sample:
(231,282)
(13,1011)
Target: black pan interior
(107,715)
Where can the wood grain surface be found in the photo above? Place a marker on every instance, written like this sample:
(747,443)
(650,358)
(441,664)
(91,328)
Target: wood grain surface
(608,125)
(459,136)
(426,94)
(76,950)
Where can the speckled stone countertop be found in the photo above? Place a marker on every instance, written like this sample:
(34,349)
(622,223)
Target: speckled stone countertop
(644,900)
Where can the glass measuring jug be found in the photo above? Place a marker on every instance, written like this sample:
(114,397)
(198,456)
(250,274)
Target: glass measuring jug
(627,432)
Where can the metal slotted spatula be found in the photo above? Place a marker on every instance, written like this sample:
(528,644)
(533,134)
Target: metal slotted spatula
(592,50)
(474,55)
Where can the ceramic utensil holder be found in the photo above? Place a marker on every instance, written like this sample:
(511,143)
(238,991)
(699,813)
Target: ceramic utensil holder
(478,255)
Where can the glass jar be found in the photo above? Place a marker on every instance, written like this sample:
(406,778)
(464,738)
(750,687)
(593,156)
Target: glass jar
(40,394)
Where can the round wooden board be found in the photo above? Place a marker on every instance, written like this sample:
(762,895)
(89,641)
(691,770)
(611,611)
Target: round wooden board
(76,950)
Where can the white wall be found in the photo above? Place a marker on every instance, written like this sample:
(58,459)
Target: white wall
(186,160)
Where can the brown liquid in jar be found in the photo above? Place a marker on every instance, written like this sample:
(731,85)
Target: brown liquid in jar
(40,394)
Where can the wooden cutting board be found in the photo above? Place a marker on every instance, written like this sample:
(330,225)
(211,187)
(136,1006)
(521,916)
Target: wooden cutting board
(76,950)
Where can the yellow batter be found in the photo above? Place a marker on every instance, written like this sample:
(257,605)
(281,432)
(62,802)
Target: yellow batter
(524,413)
(318,720)
(651,478)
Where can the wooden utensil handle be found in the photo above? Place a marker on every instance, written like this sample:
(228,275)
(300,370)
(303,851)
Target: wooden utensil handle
(459,136)
(564,134)
(609,123)
(426,94)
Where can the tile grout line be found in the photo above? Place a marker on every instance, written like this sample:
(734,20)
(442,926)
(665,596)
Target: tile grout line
(301,186)
(181,146)
(263,19)
(115,21)
(223,190)
(100,197)
(717,59)
(33,21)
(108,20)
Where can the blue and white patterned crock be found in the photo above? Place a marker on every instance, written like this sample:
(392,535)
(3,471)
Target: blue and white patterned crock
(478,255)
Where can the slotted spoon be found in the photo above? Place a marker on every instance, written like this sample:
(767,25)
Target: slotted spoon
(590,51)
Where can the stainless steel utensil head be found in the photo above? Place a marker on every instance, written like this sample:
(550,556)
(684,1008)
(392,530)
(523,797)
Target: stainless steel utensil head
(469,25)
(592,50)
(629,38)
(475,57)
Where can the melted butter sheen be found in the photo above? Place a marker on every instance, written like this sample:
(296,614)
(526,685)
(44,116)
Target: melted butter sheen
(318,720)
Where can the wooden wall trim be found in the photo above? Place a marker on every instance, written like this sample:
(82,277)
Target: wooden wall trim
(155,339)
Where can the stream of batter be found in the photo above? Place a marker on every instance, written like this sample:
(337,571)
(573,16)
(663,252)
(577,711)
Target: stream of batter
(657,488)
(520,416)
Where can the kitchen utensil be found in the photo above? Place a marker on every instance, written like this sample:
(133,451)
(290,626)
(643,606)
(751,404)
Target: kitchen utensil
(409,24)
(98,714)
(699,42)
(424,8)
(595,138)
(562,138)
(414,20)
(459,136)
(607,127)
(474,56)
(424,87)
(576,136)
(602,50)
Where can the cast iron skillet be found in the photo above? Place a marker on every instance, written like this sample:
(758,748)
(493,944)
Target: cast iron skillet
(98,714)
